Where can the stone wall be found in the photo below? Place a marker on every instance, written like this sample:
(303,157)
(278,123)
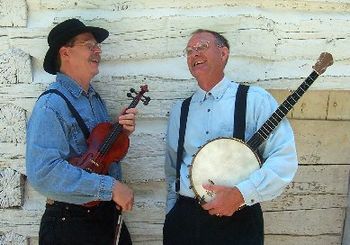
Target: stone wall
(274,45)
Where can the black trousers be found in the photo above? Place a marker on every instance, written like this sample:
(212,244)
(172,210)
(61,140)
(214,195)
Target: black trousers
(69,224)
(188,223)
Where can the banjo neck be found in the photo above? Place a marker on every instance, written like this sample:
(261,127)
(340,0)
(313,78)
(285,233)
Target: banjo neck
(266,129)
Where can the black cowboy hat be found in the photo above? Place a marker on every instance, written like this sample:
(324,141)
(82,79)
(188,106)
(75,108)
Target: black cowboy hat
(62,33)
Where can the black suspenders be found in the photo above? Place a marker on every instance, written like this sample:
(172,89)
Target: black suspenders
(240,112)
(238,131)
(74,112)
(180,145)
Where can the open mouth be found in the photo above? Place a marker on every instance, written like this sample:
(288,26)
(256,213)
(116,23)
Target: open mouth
(95,60)
(199,62)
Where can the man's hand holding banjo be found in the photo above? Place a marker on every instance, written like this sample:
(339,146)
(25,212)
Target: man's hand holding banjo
(227,200)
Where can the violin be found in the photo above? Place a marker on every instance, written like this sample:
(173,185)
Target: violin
(108,142)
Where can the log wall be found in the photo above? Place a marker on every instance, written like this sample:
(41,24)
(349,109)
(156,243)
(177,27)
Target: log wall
(274,44)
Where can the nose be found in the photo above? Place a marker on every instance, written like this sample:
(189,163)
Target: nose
(97,49)
(194,53)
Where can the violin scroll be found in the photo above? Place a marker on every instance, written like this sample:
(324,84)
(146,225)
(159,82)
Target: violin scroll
(140,95)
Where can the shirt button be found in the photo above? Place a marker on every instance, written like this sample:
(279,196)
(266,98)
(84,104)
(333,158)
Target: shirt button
(208,110)
(252,200)
(63,219)
(207,132)
(67,208)
(88,210)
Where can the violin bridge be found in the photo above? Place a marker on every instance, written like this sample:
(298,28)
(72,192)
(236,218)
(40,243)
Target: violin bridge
(95,163)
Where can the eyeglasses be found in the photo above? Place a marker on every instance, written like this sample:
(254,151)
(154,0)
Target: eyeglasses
(91,45)
(201,46)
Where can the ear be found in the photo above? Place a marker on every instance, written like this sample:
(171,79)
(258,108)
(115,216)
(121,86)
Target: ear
(225,53)
(64,53)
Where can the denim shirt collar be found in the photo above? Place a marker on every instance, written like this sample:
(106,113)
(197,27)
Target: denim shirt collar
(216,92)
(72,86)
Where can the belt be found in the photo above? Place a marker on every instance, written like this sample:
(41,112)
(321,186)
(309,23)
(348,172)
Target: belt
(188,199)
(69,206)
(64,210)
(198,201)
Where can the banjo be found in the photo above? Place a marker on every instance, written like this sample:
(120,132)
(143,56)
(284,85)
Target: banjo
(239,159)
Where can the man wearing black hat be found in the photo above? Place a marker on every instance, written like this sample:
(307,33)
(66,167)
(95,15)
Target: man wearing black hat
(57,131)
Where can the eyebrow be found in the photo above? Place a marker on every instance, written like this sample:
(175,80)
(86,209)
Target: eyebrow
(201,41)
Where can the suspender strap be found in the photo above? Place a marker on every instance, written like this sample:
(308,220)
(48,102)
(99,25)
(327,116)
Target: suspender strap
(240,112)
(180,145)
(74,112)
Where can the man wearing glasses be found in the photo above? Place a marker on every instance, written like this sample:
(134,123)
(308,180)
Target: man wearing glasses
(56,133)
(234,214)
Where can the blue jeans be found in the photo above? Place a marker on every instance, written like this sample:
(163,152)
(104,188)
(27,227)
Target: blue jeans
(69,224)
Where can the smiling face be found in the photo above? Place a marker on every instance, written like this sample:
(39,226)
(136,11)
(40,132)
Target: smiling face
(81,60)
(206,60)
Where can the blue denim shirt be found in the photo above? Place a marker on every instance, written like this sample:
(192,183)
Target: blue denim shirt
(53,136)
(211,116)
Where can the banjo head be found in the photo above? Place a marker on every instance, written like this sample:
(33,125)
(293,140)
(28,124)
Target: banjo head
(222,161)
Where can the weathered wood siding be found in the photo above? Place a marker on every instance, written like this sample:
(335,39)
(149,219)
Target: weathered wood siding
(274,45)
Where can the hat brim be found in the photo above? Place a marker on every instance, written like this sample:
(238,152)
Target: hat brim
(49,64)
